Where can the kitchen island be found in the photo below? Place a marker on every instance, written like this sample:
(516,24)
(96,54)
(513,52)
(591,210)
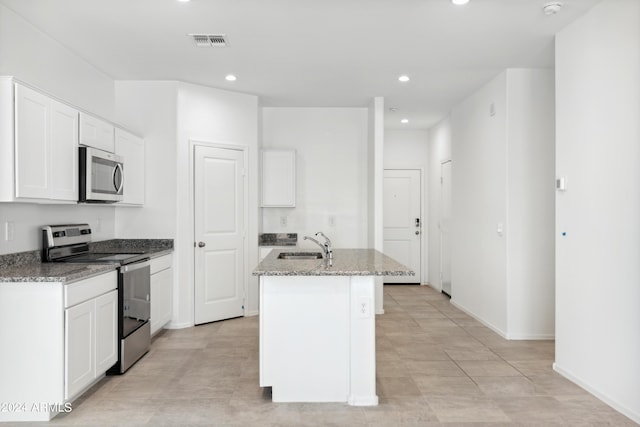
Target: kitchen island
(317,326)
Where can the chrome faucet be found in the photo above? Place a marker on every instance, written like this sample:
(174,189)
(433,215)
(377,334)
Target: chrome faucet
(326,246)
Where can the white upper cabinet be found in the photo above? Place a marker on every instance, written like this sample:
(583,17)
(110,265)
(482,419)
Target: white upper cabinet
(46,139)
(96,133)
(33,142)
(278,178)
(131,148)
(64,152)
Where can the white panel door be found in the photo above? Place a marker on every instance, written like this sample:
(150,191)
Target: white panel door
(445,231)
(402,221)
(64,152)
(219,230)
(32,143)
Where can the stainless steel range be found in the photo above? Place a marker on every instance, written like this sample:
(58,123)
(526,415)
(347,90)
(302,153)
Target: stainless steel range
(70,243)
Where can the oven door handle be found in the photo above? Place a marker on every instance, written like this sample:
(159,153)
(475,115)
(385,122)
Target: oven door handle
(135,266)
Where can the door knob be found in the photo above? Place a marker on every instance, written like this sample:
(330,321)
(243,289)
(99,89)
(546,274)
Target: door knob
(201,244)
(417,232)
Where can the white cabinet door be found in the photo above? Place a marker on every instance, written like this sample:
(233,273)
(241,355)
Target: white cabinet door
(64,152)
(131,148)
(106,331)
(161,297)
(278,178)
(32,143)
(80,366)
(96,133)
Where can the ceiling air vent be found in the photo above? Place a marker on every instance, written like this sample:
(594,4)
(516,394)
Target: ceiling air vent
(209,40)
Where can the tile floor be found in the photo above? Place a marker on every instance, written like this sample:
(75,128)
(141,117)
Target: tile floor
(435,366)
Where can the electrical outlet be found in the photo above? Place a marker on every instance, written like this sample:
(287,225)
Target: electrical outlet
(364,308)
(332,221)
(283,221)
(9,231)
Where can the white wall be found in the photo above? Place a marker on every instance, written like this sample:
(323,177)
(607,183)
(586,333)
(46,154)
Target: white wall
(598,151)
(439,151)
(331,172)
(217,116)
(531,203)
(409,149)
(149,109)
(503,179)
(28,219)
(479,202)
(35,58)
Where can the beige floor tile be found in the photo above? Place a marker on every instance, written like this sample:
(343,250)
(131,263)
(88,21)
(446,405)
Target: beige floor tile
(447,386)
(487,368)
(435,364)
(397,387)
(450,409)
(506,386)
(434,368)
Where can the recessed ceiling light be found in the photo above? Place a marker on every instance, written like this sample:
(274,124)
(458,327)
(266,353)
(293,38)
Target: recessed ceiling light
(404,121)
(459,2)
(184,1)
(404,78)
(230,78)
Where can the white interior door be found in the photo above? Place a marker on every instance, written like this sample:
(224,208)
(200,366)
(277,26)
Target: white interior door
(402,221)
(219,232)
(445,222)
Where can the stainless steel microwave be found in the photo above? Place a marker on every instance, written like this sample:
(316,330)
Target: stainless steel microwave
(101,176)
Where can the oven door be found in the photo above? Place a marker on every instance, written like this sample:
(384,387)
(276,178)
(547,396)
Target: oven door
(101,176)
(136,290)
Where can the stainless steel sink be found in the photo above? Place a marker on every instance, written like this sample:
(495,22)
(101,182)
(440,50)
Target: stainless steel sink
(300,255)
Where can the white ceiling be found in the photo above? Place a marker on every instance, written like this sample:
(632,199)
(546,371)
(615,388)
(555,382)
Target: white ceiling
(313,53)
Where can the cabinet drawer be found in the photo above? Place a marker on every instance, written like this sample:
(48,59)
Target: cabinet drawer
(84,290)
(161,263)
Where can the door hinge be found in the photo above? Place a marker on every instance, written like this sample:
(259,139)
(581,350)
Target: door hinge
(441,180)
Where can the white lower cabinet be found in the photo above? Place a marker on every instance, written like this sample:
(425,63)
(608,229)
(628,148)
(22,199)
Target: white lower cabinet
(91,341)
(106,331)
(57,340)
(161,292)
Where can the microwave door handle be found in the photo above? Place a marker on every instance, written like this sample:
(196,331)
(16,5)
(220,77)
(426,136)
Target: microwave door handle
(115,170)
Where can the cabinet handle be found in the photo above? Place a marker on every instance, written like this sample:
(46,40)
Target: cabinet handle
(201,244)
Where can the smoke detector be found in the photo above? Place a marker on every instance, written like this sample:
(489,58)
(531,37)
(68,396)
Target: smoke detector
(209,40)
(552,7)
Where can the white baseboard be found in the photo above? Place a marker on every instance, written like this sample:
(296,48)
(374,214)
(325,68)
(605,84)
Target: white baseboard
(517,336)
(380,311)
(363,400)
(173,325)
(635,416)
(251,313)
(479,319)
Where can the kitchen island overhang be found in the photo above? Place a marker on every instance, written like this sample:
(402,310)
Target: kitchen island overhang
(317,326)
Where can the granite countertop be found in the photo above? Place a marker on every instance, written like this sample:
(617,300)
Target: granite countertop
(346,262)
(278,239)
(28,267)
(58,272)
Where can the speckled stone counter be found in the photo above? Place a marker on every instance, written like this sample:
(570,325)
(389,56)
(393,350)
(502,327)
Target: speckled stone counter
(54,272)
(346,262)
(27,266)
(277,239)
(152,247)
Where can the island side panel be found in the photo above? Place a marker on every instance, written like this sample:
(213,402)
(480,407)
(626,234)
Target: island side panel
(31,350)
(304,342)
(363,342)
